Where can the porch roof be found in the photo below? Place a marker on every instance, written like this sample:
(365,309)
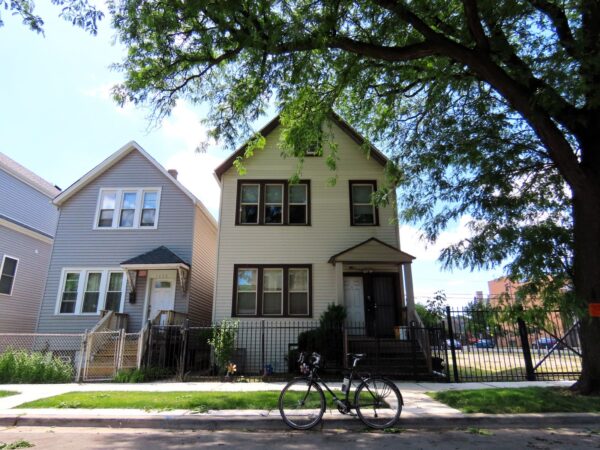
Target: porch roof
(372,251)
(159,258)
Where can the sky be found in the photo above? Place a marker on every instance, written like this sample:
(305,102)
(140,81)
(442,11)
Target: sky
(57,118)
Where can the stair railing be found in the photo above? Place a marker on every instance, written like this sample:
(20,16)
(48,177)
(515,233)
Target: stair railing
(421,336)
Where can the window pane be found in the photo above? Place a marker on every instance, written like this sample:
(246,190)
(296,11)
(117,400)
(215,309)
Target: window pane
(246,303)
(273,280)
(106,218)
(113,301)
(298,279)
(69,296)
(148,216)
(298,193)
(10,267)
(297,214)
(126,218)
(68,303)
(272,303)
(109,200)
(90,302)
(71,282)
(363,214)
(129,200)
(274,193)
(162,285)
(249,214)
(298,303)
(246,279)
(6,284)
(116,282)
(362,193)
(150,200)
(93,282)
(249,193)
(273,214)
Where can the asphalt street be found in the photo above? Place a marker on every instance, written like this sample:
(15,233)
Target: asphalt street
(468,438)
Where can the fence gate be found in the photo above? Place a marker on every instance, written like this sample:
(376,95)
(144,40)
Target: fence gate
(107,352)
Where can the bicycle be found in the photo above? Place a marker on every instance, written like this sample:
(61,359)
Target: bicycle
(377,401)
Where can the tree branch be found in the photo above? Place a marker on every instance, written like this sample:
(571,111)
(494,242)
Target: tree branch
(474,25)
(560,23)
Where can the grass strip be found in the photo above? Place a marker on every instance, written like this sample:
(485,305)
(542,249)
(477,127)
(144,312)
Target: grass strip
(517,400)
(162,401)
(7,393)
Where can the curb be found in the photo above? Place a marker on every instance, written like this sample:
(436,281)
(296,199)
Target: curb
(254,423)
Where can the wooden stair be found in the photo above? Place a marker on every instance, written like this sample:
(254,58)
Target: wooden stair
(104,363)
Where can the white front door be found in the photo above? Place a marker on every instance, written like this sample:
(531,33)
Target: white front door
(162,293)
(354,299)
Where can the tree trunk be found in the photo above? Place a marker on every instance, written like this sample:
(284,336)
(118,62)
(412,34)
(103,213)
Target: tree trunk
(586,214)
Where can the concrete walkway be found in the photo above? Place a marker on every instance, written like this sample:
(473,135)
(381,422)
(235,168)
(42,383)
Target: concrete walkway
(419,409)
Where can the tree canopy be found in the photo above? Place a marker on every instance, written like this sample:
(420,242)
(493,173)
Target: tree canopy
(490,109)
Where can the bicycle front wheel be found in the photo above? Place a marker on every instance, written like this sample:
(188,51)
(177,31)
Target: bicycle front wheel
(378,403)
(302,404)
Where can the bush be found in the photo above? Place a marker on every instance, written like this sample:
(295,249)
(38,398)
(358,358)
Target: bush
(223,343)
(142,375)
(18,366)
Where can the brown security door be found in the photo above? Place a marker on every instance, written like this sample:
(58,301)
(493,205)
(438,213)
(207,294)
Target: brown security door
(380,302)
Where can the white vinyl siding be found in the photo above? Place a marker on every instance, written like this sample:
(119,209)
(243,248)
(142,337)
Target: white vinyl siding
(85,291)
(127,208)
(329,231)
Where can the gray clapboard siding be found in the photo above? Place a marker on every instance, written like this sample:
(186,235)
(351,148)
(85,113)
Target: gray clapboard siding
(24,204)
(77,244)
(202,276)
(19,311)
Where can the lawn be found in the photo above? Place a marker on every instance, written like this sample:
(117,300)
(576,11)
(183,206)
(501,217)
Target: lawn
(7,393)
(517,400)
(196,401)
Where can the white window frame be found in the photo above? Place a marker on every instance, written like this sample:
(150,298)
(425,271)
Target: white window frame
(305,204)
(83,276)
(137,216)
(242,204)
(237,293)
(307,291)
(264,291)
(12,286)
(267,204)
(355,203)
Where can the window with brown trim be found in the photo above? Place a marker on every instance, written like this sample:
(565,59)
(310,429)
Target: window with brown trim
(362,210)
(272,290)
(273,202)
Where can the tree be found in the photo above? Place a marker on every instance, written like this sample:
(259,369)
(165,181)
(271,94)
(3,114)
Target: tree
(434,310)
(79,12)
(489,108)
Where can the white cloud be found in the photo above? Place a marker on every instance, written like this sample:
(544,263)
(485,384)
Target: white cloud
(104,92)
(183,125)
(413,243)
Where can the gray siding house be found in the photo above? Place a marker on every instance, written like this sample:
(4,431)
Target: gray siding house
(133,240)
(27,225)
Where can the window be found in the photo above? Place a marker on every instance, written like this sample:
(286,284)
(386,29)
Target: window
(87,291)
(272,290)
(298,292)
(114,292)
(362,210)
(7,274)
(128,208)
(273,202)
(247,287)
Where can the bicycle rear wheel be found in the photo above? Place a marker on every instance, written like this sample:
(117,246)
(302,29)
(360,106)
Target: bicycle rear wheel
(378,403)
(302,404)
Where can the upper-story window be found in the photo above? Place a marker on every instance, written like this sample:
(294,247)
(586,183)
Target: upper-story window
(127,208)
(362,210)
(273,202)
(8,270)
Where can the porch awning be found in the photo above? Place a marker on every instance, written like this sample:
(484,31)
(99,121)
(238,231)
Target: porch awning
(159,258)
(372,251)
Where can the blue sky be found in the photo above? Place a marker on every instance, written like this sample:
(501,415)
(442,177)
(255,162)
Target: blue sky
(57,119)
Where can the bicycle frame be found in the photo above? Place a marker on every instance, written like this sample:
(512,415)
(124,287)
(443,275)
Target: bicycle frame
(342,403)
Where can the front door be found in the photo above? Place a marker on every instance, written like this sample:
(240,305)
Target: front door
(354,299)
(162,294)
(381,305)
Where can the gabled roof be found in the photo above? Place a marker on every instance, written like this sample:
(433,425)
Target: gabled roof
(372,251)
(114,159)
(159,256)
(376,154)
(27,176)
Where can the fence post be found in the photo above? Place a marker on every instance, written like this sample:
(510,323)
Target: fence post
(345,347)
(529,372)
(184,347)
(413,346)
(82,353)
(452,346)
(148,346)
(262,346)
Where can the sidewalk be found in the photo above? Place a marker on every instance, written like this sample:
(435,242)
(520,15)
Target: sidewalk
(420,411)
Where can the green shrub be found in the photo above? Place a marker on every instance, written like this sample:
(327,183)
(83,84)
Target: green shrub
(142,375)
(223,342)
(18,366)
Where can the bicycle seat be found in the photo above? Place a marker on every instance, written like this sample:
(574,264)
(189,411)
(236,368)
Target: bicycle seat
(357,356)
